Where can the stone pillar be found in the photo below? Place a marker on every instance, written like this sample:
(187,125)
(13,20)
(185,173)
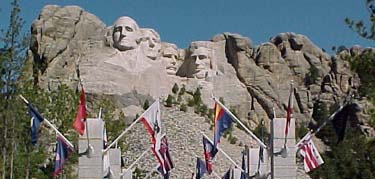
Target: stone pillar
(91,167)
(115,162)
(284,166)
(264,167)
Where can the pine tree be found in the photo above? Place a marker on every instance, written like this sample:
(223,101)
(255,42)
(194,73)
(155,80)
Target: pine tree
(12,55)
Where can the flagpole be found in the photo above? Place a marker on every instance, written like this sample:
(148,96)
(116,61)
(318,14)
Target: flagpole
(222,151)
(242,125)
(52,126)
(139,158)
(216,175)
(127,129)
(290,100)
(271,142)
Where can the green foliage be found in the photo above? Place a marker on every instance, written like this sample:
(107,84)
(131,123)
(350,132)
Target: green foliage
(352,158)
(182,90)
(191,102)
(203,109)
(312,76)
(146,104)
(301,131)
(197,97)
(260,131)
(169,101)
(175,88)
(364,66)
(183,107)
(360,27)
(232,139)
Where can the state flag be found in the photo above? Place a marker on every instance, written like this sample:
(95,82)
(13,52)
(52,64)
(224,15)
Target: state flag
(222,122)
(62,152)
(209,152)
(36,120)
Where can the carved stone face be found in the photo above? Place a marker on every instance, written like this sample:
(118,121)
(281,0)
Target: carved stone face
(169,57)
(202,60)
(150,43)
(125,34)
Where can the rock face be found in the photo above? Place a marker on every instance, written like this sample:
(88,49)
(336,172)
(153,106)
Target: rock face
(69,45)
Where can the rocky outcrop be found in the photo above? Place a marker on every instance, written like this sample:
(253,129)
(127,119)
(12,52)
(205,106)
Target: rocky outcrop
(58,36)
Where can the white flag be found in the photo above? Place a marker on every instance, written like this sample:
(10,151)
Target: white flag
(152,122)
(311,156)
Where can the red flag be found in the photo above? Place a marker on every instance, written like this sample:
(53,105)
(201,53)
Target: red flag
(79,122)
(289,110)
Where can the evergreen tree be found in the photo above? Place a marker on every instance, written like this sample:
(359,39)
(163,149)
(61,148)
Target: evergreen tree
(12,54)
(175,88)
(360,27)
(146,104)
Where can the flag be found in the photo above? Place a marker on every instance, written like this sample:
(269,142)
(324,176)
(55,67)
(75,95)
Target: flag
(228,174)
(222,122)
(243,166)
(347,113)
(152,122)
(163,156)
(200,169)
(209,152)
(160,170)
(36,119)
(79,122)
(311,156)
(289,110)
(62,153)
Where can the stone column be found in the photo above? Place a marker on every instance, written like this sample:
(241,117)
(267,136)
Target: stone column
(91,167)
(115,162)
(264,167)
(284,166)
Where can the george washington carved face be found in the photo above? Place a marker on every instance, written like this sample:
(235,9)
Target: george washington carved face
(125,34)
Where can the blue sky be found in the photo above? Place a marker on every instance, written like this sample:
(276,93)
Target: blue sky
(182,22)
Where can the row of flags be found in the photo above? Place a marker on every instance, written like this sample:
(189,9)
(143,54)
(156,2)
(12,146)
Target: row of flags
(222,122)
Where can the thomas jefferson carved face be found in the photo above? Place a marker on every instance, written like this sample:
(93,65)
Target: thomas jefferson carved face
(125,33)
(150,43)
(169,57)
(202,60)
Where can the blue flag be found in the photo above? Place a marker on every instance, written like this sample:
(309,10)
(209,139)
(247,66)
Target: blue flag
(223,121)
(200,169)
(62,153)
(36,119)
